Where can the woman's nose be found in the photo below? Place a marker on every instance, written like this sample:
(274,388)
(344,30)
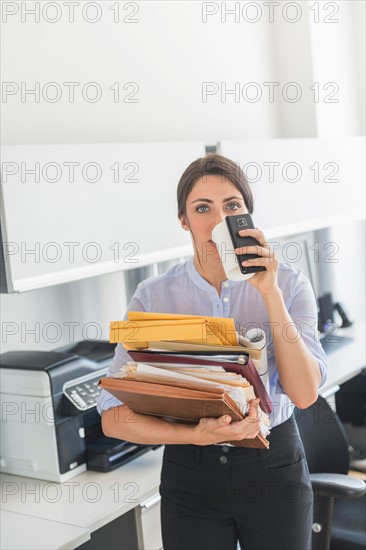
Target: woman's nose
(220,217)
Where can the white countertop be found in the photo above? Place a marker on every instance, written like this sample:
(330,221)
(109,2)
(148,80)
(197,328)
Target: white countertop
(347,361)
(20,532)
(89,500)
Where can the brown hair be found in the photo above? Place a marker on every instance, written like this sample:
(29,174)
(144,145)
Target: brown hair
(217,165)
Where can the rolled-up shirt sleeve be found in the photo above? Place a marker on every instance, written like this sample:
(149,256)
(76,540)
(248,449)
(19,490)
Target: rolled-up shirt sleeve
(303,310)
(106,400)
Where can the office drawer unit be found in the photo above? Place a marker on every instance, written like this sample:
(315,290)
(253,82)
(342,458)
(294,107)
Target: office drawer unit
(148,524)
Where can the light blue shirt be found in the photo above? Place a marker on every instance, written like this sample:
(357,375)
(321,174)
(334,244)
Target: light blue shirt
(183,290)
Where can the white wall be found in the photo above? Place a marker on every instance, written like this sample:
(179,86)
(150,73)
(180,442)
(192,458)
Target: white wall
(52,317)
(338,65)
(349,269)
(169,53)
(338,53)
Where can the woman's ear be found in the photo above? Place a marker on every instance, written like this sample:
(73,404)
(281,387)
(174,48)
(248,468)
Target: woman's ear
(184,223)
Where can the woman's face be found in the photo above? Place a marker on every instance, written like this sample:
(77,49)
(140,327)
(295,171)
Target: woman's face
(211,199)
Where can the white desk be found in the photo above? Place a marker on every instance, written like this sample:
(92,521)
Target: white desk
(348,361)
(87,502)
(20,532)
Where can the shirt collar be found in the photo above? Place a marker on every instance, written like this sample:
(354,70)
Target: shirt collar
(199,281)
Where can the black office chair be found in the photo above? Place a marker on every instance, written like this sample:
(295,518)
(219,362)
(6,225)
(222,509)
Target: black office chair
(339,512)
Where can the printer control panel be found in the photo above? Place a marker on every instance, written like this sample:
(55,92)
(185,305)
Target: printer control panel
(83,392)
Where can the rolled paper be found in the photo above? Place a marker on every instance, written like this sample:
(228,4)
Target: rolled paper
(255,338)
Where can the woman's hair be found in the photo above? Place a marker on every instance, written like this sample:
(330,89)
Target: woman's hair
(217,165)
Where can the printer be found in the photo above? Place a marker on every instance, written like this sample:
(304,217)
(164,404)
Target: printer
(50,428)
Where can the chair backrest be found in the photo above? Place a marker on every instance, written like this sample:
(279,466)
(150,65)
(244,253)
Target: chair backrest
(324,439)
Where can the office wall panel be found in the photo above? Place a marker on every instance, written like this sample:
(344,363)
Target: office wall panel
(302,184)
(75,211)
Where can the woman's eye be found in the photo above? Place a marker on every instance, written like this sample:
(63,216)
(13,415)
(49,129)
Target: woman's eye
(233,206)
(202,208)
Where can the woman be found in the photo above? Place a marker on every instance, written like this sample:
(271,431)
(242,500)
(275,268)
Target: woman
(214,495)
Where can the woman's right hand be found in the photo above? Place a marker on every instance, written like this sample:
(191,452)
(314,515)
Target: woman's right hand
(219,430)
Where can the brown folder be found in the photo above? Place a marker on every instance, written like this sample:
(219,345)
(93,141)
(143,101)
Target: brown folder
(178,403)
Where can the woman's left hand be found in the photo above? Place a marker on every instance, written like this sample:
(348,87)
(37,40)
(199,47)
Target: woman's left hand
(264,281)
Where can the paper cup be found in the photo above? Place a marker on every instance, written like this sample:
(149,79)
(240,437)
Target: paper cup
(221,237)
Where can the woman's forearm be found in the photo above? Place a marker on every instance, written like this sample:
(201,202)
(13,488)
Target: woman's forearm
(122,423)
(298,369)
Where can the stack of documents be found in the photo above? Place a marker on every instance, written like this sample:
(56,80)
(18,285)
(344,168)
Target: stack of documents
(186,368)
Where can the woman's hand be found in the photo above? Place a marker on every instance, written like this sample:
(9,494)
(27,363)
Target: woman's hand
(219,430)
(264,281)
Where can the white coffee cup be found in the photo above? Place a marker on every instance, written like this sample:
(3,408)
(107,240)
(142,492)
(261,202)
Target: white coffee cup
(221,237)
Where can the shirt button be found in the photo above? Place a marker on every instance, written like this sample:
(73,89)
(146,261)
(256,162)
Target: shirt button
(225,449)
(226,299)
(225,285)
(223,459)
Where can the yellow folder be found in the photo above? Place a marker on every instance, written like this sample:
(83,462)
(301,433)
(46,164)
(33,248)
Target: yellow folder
(145,326)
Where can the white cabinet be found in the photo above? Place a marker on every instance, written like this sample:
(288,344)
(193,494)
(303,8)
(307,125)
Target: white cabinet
(116,210)
(302,184)
(148,524)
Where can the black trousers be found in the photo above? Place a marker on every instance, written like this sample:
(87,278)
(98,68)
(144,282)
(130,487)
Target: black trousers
(214,496)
